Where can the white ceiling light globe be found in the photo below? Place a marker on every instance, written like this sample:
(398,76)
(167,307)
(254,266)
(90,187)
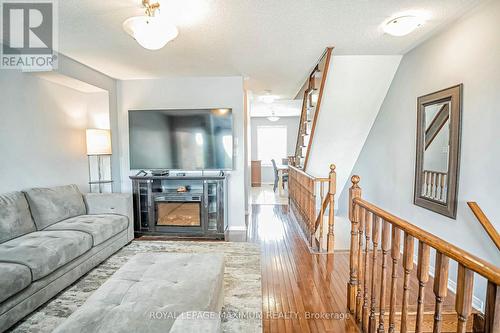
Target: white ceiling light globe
(151,33)
(403,25)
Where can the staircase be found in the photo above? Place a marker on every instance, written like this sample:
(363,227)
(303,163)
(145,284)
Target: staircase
(398,276)
(341,98)
(389,289)
(312,95)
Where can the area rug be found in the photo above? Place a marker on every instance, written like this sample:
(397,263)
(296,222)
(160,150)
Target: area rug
(242,285)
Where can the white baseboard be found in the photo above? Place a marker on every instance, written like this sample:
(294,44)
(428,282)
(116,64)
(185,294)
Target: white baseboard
(237,228)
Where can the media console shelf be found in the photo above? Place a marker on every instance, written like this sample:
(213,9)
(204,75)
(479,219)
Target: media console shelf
(180,206)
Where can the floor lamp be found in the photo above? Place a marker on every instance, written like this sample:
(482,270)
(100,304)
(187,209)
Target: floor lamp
(99,145)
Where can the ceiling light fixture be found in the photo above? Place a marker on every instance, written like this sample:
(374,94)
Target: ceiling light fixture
(267,98)
(273,117)
(403,25)
(150,31)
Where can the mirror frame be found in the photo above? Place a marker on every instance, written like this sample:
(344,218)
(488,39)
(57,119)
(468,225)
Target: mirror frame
(454,96)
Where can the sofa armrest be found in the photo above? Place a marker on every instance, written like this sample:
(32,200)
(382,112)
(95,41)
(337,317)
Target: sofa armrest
(112,203)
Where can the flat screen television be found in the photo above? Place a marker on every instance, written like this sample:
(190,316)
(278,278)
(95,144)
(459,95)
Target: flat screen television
(200,139)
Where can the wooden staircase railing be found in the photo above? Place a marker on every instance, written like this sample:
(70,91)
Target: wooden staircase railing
(312,96)
(435,185)
(303,192)
(370,227)
(485,222)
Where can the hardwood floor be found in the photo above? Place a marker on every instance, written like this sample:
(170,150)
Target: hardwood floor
(302,292)
(305,292)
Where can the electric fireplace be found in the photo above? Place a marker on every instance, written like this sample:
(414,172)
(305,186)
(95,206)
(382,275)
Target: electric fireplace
(183,206)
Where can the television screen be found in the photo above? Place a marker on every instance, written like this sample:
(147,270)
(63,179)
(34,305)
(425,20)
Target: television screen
(181,139)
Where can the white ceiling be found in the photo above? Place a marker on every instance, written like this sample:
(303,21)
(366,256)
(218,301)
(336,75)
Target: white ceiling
(272,43)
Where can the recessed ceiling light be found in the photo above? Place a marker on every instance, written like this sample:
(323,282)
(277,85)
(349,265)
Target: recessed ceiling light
(403,25)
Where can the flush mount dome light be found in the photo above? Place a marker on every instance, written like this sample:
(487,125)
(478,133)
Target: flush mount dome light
(403,25)
(150,31)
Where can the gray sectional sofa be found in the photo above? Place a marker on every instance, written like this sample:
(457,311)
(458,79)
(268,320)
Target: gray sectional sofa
(51,237)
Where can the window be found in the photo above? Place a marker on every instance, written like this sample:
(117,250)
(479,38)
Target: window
(271,143)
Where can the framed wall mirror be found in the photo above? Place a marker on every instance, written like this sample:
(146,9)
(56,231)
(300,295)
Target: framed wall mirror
(438,150)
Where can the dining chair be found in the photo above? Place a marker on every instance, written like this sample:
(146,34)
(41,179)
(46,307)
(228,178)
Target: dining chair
(276,176)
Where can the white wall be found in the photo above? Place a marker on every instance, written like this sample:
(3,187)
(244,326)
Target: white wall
(354,91)
(292,127)
(188,93)
(98,110)
(42,132)
(469,53)
(248,140)
(75,70)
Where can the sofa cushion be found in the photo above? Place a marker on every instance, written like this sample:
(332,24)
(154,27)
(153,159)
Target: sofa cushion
(15,216)
(45,251)
(13,279)
(149,291)
(101,227)
(51,205)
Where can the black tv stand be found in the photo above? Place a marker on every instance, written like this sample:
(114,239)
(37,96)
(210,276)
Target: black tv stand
(180,205)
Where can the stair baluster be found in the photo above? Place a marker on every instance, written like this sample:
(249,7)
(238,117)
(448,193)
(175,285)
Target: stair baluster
(408,267)
(423,278)
(375,240)
(395,255)
(386,234)
(366,300)
(440,288)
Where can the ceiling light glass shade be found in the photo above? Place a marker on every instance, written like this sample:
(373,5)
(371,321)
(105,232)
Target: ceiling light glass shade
(403,25)
(268,99)
(151,33)
(273,117)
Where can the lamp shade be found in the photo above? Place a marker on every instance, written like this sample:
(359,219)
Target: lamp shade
(98,142)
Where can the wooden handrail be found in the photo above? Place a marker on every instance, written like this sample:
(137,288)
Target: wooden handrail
(371,226)
(489,271)
(303,190)
(310,86)
(302,172)
(305,174)
(485,222)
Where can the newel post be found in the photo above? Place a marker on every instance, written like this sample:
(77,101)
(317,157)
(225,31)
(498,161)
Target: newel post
(332,189)
(354,211)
